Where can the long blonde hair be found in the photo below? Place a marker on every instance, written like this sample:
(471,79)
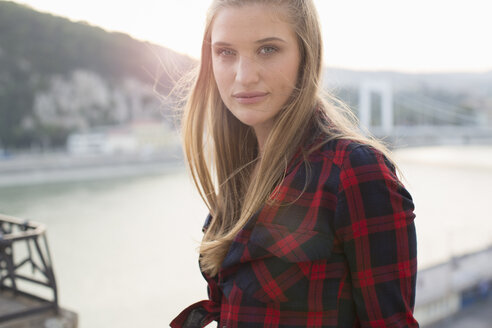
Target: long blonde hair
(222,152)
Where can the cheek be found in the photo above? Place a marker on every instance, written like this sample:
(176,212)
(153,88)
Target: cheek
(285,73)
(284,81)
(293,73)
(222,76)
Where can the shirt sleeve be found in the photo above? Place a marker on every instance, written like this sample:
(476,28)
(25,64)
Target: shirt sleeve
(375,222)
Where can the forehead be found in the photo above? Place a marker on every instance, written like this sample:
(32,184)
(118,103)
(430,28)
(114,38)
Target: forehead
(249,23)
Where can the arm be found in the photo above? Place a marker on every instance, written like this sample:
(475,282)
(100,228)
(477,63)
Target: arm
(374,220)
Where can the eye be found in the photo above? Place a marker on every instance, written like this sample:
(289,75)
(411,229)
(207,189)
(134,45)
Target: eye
(267,50)
(224,52)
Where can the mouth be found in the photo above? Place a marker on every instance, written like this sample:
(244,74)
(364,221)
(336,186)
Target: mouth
(249,97)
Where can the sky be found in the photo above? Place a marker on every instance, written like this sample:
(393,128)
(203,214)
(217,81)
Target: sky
(399,35)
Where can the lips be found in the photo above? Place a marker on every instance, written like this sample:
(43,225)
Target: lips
(250,97)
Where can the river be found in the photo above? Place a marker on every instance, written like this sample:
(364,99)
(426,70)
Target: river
(124,249)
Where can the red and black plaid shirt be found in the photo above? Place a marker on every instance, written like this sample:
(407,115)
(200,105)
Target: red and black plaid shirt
(341,255)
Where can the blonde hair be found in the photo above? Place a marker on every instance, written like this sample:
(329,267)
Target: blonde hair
(221,151)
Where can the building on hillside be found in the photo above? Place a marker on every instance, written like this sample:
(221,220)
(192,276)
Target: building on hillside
(140,137)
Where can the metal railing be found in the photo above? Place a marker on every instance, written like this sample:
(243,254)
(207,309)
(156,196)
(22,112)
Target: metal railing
(25,257)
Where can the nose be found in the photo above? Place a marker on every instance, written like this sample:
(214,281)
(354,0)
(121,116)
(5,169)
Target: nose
(247,71)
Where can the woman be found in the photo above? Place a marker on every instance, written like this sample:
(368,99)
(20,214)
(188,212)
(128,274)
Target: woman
(309,225)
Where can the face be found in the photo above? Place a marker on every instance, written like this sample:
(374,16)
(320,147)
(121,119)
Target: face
(255,59)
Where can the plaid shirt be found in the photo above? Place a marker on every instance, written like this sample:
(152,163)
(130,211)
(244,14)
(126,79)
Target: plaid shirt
(341,255)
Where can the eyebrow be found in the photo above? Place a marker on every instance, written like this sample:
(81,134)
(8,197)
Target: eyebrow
(270,39)
(221,43)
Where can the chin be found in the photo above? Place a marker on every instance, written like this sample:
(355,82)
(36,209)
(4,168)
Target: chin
(250,119)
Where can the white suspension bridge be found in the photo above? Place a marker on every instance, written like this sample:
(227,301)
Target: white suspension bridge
(404,120)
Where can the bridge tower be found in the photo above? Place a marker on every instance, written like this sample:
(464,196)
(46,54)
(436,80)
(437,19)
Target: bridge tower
(383,87)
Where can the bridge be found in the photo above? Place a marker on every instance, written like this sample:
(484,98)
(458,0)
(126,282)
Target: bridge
(403,120)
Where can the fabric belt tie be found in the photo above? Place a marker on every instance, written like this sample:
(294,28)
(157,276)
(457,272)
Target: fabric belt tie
(197,315)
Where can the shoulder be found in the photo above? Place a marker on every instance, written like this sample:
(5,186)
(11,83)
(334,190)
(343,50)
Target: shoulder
(348,153)
(354,162)
(368,188)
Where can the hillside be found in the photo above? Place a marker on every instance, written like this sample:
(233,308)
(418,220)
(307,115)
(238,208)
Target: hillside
(48,62)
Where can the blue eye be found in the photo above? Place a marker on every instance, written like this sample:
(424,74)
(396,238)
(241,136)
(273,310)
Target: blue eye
(268,50)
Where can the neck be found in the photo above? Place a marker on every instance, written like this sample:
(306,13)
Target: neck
(262,133)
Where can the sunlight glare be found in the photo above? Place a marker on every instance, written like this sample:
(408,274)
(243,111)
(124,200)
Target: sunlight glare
(418,35)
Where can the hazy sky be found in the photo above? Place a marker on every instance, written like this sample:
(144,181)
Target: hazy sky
(404,35)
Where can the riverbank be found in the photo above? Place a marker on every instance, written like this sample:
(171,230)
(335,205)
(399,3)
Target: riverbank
(477,316)
(451,287)
(35,169)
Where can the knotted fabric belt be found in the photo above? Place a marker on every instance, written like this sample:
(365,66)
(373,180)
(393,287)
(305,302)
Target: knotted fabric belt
(197,315)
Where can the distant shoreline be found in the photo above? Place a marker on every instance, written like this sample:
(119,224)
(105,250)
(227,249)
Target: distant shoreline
(32,169)
(458,156)
(60,167)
